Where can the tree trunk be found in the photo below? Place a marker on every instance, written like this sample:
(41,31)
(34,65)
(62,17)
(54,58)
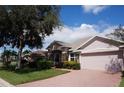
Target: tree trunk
(4,57)
(19,59)
(19,56)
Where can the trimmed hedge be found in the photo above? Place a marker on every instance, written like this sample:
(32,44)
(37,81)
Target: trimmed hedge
(71,65)
(44,64)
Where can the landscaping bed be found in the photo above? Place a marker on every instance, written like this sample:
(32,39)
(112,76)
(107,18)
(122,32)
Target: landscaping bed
(71,65)
(19,77)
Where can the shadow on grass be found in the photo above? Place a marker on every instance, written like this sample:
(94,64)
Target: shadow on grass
(25,70)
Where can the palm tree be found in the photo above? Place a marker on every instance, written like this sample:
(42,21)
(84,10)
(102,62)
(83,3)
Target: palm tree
(7,56)
(26,52)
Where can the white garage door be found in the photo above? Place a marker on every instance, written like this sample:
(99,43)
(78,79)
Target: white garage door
(96,62)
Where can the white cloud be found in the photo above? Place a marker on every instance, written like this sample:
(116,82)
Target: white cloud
(70,34)
(95,9)
(108,30)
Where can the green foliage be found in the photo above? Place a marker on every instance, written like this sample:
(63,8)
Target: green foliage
(27,25)
(44,64)
(118,33)
(9,53)
(71,65)
(122,82)
(23,76)
(26,52)
(14,53)
(7,57)
(10,68)
(59,65)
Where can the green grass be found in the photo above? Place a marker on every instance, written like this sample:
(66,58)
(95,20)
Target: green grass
(122,83)
(20,77)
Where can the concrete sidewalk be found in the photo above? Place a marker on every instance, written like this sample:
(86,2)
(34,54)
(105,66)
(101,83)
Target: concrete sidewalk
(3,83)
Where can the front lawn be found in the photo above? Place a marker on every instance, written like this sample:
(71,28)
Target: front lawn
(122,83)
(23,76)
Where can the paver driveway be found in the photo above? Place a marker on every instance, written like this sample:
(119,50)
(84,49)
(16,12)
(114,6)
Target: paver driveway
(79,78)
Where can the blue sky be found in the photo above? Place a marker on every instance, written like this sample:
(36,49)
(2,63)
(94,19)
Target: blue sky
(82,21)
(75,15)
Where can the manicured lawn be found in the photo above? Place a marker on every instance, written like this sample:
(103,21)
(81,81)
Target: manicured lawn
(122,83)
(23,77)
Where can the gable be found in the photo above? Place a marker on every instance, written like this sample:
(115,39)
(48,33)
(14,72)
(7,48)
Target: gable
(100,42)
(54,46)
(99,45)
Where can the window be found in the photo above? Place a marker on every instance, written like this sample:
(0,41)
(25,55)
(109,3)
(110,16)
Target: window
(73,57)
(72,54)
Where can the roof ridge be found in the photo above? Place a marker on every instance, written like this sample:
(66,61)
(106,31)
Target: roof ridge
(112,39)
(86,41)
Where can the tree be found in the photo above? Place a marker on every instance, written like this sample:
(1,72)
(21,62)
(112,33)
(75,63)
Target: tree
(26,52)
(7,56)
(27,25)
(118,33)
(14,53)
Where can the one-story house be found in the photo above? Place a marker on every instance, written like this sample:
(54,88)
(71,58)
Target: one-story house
(91,52)
(35,55)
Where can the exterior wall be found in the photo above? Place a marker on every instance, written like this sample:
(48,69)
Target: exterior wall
(56,47)
(63,56)
(69,58)
(102,53)
(98,45)
(99,59)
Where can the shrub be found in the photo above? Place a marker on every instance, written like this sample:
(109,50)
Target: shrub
(32,65)
(59,65)
(71,65)
(44,64)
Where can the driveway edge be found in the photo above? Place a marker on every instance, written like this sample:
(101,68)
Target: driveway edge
(4,83)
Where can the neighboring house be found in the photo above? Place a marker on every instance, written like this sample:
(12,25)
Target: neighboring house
(33,56)
(91,52)
(38,54)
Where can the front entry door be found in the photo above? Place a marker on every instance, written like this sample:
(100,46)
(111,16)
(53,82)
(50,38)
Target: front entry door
(56,57)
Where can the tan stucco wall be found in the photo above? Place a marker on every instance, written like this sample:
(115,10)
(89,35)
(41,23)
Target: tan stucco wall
(98,45)
(98,61)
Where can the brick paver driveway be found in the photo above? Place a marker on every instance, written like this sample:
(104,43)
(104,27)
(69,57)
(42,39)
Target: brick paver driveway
(80,78)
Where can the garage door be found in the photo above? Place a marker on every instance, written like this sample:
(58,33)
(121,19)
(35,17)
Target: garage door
(96,62)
